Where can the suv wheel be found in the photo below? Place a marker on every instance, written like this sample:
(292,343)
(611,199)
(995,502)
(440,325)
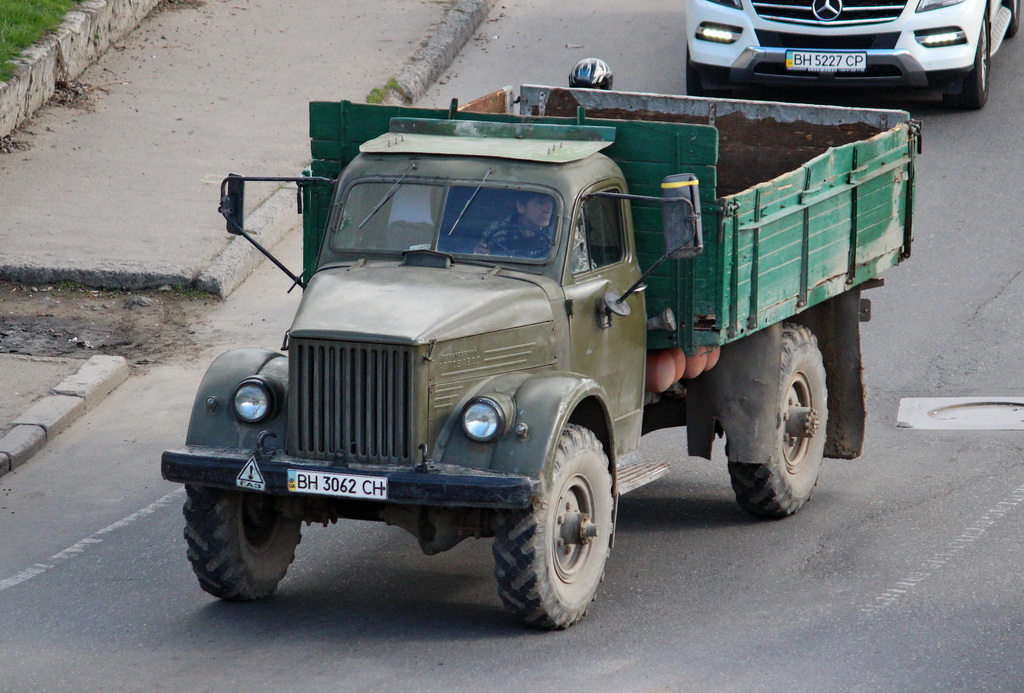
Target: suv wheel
(974,90)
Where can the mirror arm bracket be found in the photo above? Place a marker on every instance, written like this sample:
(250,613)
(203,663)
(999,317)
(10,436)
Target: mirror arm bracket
(270,256)
(617,304)
(226,210)
(625,196)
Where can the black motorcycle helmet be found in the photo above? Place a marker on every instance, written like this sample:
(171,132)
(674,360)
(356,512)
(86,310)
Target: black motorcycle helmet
(591,73)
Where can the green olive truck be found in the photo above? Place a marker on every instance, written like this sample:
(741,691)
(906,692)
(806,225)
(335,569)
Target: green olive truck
(497,306)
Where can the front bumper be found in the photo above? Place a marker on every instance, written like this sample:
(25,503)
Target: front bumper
(444,485)
(887,68)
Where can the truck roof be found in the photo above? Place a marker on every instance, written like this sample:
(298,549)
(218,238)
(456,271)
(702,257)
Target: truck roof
(522,141)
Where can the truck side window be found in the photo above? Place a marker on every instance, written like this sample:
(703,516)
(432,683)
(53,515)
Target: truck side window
(598,235)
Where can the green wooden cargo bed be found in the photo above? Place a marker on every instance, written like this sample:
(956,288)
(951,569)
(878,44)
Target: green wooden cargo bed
(800,203)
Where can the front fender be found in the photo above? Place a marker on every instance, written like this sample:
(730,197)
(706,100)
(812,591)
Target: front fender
(544,403)
(213,421)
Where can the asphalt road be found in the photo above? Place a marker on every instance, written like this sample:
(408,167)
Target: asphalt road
(903,574)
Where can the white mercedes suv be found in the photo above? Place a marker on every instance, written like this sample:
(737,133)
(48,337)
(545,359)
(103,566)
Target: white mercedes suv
(937,44)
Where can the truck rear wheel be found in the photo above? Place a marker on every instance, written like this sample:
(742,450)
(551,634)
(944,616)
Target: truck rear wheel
(781,486)
(240,546)
(548,561)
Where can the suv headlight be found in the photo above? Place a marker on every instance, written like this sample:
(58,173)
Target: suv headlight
(926,5)
(940,38)
(254,400)
(486,418)
(736,4)
(718,33)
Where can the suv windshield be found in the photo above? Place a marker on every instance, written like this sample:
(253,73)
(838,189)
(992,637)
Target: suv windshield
(457,219)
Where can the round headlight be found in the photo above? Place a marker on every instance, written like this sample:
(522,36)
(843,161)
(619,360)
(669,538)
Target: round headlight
(482,420)
(253,401)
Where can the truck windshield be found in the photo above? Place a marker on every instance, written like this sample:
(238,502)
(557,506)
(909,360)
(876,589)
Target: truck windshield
(497,222)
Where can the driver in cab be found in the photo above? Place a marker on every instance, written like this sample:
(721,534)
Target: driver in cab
(526,232)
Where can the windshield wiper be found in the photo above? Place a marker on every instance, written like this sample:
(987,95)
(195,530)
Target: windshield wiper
(470,200)
(387,195)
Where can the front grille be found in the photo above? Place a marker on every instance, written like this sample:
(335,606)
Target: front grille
(853,42)
(853,12)
(351,402)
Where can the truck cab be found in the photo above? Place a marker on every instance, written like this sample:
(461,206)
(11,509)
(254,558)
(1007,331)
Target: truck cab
(433,253)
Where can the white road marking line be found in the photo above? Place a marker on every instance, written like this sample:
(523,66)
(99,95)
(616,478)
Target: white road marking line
(80,547)
(940,559)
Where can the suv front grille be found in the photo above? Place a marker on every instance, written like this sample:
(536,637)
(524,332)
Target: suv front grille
(853,12)
(351,402)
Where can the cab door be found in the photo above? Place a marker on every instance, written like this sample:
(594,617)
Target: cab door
(607,347)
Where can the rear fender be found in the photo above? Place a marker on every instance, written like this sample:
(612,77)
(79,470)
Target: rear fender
(836,325)
(741,392)
(213,420)
(544,404)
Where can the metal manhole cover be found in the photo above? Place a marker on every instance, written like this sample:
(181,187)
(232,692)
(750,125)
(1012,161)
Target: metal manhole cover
(962,413)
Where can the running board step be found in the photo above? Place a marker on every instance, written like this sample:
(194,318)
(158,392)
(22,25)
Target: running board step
(999,26)
(633,476)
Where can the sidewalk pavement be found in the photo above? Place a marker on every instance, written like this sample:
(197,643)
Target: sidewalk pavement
(121,190)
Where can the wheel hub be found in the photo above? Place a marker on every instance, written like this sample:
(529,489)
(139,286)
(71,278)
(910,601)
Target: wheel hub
(258,520)
(574,529)
(800,422)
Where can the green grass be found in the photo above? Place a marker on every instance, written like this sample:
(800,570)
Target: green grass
(22,23)
(377,95)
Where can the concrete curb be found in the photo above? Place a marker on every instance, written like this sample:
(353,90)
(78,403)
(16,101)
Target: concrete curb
(439,49)
(67,402)
(129,276)
(271,220)
(84,36)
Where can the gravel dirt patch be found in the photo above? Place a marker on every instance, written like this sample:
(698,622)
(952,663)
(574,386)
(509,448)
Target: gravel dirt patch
(78,322)
(170,5)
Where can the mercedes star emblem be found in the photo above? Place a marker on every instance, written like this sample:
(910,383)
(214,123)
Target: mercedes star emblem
(827,10)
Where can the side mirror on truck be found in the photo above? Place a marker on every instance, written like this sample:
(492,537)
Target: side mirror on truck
(232,202)
(681,226)
(232,208)
(680,216)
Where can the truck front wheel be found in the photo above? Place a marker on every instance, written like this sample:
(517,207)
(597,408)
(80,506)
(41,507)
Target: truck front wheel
(239,545)
(549,560)
(779,487)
